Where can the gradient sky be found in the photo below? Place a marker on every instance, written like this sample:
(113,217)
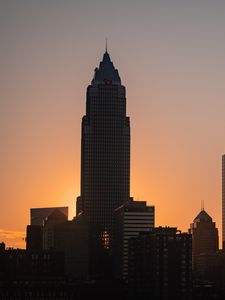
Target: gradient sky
(171,58)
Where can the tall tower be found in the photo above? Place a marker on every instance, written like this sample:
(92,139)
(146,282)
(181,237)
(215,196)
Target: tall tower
(105,150)
(223,201)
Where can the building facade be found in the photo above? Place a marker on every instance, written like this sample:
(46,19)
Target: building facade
(204,235)
(160,265)
(55,218)
(40,231)
(38,215)
(34,237)
(105,151)
(72,239)
(130,219)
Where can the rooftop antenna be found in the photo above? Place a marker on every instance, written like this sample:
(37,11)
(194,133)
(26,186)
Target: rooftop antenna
(106,44)
(202,205)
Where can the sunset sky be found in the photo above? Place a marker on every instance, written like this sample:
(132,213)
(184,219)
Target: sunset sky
(171,57)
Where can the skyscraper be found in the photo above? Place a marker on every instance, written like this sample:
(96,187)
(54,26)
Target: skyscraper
(204,235)
(105,150)
(223,201)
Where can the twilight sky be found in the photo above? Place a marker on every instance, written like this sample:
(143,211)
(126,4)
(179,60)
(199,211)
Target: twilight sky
(171,58)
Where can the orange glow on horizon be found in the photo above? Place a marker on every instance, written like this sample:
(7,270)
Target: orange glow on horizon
(174,77)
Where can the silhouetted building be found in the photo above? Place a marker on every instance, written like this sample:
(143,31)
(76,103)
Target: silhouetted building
(19,263)
(38,215)
(210,268)
(223,201)
(56,217)
(105,151)
(160,265)
(130,219)
(34,275)
(72,238)
(2,246)
(34,238)
(204,235)
(37,238)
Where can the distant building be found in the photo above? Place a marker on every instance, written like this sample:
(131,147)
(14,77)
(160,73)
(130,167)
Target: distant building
(130,219)
(223,201)
(35,231)
(204,235)
(56,217)
(160,265)
(72,238)
(38,215)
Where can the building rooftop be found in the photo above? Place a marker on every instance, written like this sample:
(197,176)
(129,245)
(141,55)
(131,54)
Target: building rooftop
(203,216)
(106,72)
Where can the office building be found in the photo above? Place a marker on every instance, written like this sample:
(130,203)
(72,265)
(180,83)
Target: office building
(105,151)
(38,215)
(204,235)
(72,238)
(130,219)
(160,265)
(56,217)
(35,238)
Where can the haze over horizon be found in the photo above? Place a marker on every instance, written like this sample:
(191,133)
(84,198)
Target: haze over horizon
(170,56)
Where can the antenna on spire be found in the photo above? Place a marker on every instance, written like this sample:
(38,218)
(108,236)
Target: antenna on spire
(202,205)
(106,44)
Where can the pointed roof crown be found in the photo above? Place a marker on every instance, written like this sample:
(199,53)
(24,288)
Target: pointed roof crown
(106,73)
(203,216)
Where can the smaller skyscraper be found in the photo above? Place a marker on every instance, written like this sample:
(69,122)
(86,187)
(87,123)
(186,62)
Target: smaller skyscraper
(204,235)
(130,219)
(160,265)
(35,231)
(56,217)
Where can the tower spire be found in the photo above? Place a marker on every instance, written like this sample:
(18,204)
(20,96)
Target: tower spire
(106,44)
(202,205)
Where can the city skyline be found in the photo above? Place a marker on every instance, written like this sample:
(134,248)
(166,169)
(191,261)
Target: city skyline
(176,106)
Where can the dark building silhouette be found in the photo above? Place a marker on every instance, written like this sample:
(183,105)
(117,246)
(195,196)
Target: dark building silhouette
(72,238)
(34,237)
(34,275)
(160,265)
(204,235)
(38,237)
(2,246)
(19,263)
(105,151)
(56,217)
(38,215)
(211,268)
(130,219)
